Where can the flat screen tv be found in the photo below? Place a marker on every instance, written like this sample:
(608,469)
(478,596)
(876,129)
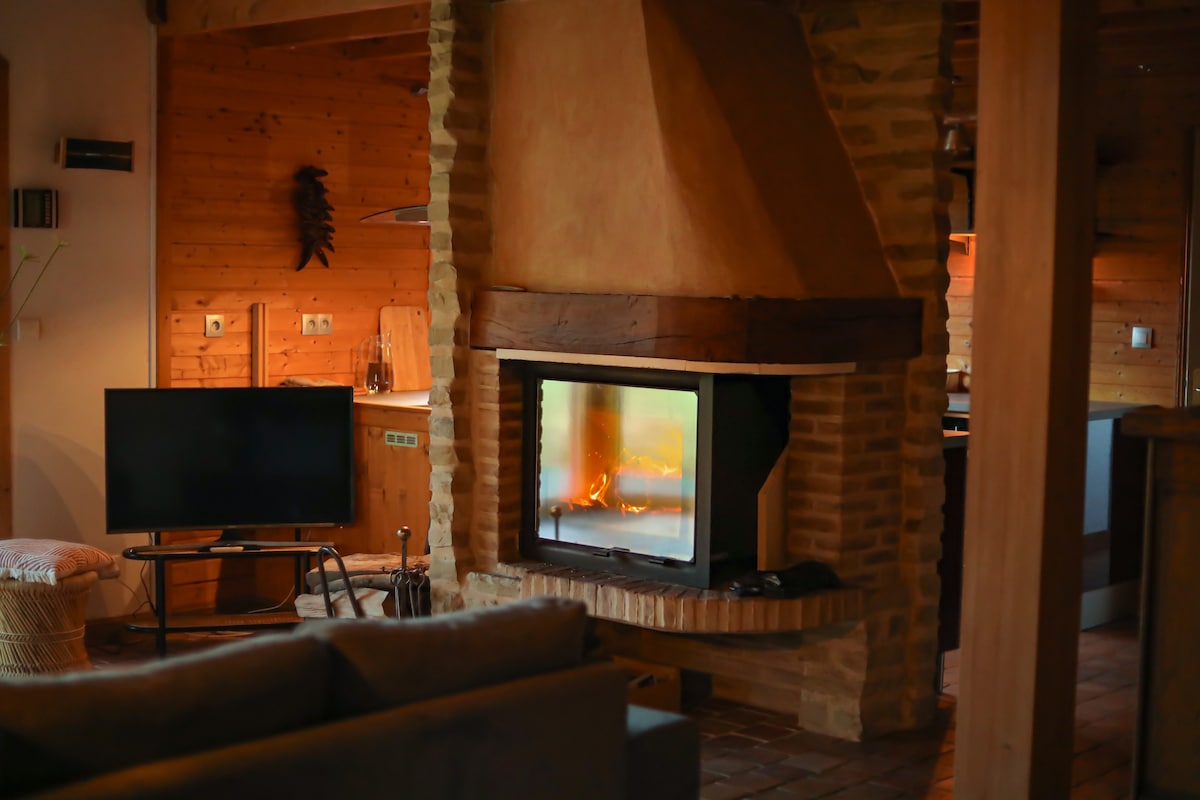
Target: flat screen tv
(201,459)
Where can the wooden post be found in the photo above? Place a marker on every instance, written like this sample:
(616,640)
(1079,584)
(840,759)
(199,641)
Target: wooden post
(1024,516)
(6,453)
(258,345)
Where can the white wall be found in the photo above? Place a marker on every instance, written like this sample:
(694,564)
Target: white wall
(80,68)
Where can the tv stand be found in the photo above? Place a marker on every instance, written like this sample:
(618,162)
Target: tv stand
(226,547)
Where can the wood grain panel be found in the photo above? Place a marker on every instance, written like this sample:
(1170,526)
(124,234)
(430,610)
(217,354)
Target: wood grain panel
(235,124)
(1022,580)
(393,482)
(699,328)
(6,520)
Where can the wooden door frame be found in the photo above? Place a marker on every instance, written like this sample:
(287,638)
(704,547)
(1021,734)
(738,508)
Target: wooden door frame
(1188,389)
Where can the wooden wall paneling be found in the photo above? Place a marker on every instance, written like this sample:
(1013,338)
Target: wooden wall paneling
(234,125)
(1148,63)
(6,454)
(239,123)
(1025,485)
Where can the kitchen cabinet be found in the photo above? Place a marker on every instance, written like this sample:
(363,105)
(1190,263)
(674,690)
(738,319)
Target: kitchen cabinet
(391,451)
(1168,736)
(1112,519)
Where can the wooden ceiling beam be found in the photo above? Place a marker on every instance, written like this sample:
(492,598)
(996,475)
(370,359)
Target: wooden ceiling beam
(185,17)
(341,29)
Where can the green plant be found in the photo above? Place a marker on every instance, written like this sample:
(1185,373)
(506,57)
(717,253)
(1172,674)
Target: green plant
(26,257)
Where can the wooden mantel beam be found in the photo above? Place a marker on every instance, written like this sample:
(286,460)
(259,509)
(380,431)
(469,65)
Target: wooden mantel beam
(1025,478)
(710,329)
(184,17)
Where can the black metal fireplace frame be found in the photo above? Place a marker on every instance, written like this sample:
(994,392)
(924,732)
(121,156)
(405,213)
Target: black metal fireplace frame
(733,457)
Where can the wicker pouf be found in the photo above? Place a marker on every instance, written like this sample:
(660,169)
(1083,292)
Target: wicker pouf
(41,625)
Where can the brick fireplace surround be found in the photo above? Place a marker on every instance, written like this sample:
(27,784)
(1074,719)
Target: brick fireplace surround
(864,459)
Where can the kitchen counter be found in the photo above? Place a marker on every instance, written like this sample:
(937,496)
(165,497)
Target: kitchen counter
(417,399)
(960,403)
(954,440)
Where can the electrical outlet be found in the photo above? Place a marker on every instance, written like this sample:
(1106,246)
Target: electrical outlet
(316,324)
(214,325)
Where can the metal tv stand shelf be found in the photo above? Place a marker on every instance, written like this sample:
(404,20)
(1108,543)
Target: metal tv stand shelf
(224,548)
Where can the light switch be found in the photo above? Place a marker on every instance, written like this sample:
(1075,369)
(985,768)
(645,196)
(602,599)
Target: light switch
(1142,337)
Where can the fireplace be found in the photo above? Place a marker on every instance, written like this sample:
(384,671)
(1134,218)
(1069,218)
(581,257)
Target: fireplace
(628,471)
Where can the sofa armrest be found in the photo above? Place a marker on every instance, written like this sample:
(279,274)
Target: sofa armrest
(663,756)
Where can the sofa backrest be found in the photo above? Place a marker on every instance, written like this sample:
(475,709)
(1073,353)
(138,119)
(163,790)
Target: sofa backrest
(62,728)
(379,664)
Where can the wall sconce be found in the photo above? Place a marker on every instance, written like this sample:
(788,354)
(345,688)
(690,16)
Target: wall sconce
(94,154)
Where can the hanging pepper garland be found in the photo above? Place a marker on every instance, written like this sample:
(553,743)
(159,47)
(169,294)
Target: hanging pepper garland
(316,232)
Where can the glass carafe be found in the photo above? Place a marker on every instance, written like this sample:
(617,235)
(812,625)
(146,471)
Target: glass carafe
(373,364)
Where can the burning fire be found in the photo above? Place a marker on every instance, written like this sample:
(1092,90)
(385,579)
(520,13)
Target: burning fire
(633,469)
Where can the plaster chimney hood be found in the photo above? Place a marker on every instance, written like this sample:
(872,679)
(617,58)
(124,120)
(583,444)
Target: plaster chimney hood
(672,147)
(402,215)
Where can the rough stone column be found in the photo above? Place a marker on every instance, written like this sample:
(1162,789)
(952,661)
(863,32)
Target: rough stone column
(460,249)
(884,68)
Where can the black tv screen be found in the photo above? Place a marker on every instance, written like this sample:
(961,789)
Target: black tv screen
(199,459)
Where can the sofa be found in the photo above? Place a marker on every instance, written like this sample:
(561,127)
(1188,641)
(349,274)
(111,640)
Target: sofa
(502,702)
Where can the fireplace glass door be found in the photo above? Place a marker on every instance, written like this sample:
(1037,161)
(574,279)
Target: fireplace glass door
(616,468)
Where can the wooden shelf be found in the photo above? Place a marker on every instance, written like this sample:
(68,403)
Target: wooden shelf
(190,623)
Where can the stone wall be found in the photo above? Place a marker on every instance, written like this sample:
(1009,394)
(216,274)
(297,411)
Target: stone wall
(885,71)
(866,468)
(460,248)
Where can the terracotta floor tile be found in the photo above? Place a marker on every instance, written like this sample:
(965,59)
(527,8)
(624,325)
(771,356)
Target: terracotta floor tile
(728,766)
(778,793)
(867,791)
(756,780)
(813,787)
(762,755)
(913,780)
(766,732)
(732,741)
(1098,761)
(815,763)
(722,791)
(787,771)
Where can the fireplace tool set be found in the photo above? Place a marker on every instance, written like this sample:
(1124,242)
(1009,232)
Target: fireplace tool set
(409,583)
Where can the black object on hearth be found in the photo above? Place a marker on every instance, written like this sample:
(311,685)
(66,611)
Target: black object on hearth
(799,579)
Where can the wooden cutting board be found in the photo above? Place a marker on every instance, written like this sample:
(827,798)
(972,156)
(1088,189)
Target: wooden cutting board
(409,329)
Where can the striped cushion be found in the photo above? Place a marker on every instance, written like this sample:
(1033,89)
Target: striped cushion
(49,560)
